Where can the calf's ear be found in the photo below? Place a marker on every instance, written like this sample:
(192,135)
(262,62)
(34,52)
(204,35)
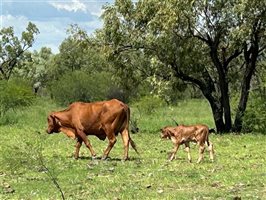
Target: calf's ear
(169,133)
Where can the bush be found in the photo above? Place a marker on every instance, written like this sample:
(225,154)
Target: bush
(255,115)
(79,86)
(148,104)
(14,94)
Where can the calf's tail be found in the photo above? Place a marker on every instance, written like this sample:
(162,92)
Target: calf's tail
(212,130)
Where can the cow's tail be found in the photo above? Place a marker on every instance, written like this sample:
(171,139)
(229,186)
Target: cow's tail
(132,143)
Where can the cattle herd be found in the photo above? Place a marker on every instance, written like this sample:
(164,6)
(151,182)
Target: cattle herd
(109,118)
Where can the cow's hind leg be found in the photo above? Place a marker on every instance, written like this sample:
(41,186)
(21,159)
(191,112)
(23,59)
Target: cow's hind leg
(125,138)
(84,138)
(112,141)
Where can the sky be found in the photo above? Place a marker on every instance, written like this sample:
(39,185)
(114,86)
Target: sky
(52,17)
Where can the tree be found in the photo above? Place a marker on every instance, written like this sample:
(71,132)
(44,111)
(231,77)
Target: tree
(254,17)
(35,65)
(200,42)
(12,48)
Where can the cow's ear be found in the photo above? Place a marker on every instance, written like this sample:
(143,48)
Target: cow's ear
(56,120)
(51,118)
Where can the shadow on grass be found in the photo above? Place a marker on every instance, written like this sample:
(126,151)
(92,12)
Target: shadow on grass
(107,159)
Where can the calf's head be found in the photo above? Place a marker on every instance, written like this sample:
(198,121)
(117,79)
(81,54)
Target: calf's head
(53,124)
(165,133)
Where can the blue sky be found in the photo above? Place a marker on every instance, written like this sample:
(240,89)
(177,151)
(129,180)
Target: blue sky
(52,18)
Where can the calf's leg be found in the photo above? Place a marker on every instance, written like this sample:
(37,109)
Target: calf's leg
(201,151)
(187,149)
(210,148)
(174,151)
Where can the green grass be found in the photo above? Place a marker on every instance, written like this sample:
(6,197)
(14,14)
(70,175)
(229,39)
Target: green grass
(239,169)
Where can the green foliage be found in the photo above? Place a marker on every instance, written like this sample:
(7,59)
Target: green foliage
(199,42)
(12,48)
(35,66)
(255,116)
(14,94)
(149,104)
(79,86)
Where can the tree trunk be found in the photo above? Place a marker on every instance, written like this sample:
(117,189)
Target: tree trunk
(227,109)
(223,85)
(207,88)
(245,86)
(217,113)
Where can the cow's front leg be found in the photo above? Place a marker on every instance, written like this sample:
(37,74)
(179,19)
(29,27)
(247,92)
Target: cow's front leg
(84,138)
(78,145)
(112,141)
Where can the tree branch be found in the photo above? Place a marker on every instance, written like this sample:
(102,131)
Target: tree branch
(236,54)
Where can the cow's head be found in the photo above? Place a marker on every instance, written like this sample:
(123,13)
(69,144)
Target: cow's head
(165,133)
(53,124)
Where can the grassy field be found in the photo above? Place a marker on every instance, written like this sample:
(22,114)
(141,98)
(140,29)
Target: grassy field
(30,160)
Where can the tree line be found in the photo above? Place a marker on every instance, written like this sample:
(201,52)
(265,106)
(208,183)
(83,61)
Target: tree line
(210,49)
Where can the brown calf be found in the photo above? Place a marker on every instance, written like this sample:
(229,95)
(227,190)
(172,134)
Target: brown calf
(184,134)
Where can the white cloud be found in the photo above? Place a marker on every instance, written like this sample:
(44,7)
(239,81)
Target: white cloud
(53,29)
(73,6)
(95,8)
(19,23)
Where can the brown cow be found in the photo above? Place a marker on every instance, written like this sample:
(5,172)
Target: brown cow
(102,119)
(184,134)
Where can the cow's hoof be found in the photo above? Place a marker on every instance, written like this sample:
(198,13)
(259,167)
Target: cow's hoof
(125,159)
(94,157)
(104,157)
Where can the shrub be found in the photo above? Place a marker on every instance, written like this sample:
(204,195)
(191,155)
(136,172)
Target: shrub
(14,94)
(148,104)
(79,86)
(255,115)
